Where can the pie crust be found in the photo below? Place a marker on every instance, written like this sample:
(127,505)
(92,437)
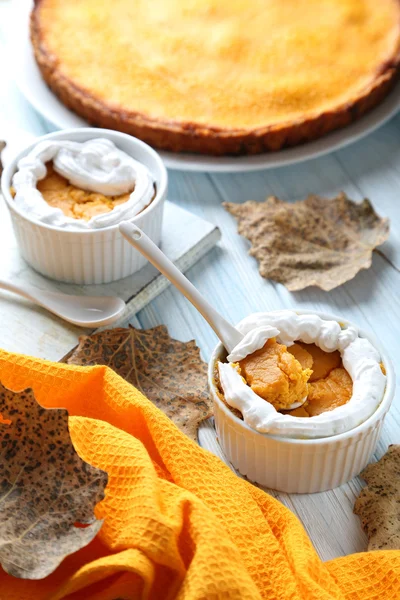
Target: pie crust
(221,77)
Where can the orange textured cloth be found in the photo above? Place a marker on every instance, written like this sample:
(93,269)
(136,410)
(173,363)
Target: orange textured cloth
(178,523)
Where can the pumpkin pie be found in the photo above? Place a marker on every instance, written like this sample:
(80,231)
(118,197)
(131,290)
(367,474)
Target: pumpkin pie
(219,76)
(329,385)
(286,375)
(73,201)
(276,375)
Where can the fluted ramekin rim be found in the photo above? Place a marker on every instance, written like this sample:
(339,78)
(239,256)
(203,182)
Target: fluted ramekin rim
(72,133)
(379,413)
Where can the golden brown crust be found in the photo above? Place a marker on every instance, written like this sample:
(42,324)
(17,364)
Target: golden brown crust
(191,137)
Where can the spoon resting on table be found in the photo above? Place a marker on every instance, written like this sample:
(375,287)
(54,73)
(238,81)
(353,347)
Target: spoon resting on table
(226,332)
(84,311)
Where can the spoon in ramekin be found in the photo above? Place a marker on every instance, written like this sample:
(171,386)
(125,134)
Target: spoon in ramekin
(84,311)
(226,332)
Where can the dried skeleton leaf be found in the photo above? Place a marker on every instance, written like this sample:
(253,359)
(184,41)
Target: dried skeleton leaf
(378,504)
(316,241)
(46,489)
(170,373)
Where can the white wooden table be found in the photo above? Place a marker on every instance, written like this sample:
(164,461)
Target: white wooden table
(230,279)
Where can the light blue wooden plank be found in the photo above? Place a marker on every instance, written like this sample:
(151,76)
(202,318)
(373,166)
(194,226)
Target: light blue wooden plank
(230,280)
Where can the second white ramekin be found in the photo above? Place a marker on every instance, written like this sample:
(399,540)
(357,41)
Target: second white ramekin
(297,465)
(90,256)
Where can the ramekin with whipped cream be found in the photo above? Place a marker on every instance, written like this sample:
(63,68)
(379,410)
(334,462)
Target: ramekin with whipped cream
(293,454)
(106,162)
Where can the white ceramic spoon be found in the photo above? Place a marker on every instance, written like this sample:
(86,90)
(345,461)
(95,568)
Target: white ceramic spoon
(84,311)
(227,333)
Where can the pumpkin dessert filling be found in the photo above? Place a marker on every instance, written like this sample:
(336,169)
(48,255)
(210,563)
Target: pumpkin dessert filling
(81,185)
(286,376)
(74,202)
(329,385)
(276,375)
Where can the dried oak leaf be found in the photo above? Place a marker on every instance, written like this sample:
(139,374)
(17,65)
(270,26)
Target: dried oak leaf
(378,504)
(170,373)
(46,489)
(316,241)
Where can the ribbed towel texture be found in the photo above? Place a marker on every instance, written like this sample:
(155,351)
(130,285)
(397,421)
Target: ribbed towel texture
(178,523)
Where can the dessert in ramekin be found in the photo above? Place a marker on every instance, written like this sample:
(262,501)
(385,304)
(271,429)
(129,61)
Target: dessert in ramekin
(289,449)
(67,193)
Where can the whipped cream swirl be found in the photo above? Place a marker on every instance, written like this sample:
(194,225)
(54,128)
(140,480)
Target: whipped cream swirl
(96,166)
(360,359)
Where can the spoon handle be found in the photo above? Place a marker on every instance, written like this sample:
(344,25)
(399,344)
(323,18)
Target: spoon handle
(228,334)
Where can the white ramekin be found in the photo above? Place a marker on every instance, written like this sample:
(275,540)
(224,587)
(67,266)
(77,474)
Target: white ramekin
(90,256)
(297,465)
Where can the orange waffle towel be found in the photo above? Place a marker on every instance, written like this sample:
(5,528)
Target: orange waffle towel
(178,523)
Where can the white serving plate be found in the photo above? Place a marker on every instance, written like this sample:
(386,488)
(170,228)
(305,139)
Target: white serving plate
(31,84)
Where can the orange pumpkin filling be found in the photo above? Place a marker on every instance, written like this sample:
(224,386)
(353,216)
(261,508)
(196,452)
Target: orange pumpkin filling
(275,375)
(329,386)
(75,202)
(283,376)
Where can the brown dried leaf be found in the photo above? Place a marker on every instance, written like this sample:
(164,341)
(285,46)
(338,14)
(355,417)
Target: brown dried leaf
(45,488)
(313,242)
(378,504)
(170,373)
